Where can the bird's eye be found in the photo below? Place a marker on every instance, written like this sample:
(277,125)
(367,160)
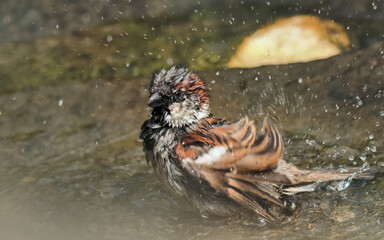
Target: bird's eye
(178,97)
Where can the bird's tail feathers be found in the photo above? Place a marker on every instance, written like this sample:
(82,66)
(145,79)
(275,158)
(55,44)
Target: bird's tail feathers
(308,180)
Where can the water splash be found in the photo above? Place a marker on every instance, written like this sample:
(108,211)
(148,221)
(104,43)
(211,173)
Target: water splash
(344,184)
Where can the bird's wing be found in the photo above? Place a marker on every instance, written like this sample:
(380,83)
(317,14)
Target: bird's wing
(233,146)
(231,158)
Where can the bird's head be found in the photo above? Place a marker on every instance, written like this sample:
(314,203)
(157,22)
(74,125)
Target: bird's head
(178,97)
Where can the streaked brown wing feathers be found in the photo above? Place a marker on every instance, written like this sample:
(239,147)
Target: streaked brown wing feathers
(231,157)
(264,153)
(245,151)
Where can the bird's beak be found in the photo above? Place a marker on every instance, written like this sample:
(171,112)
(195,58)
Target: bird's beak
(156,100)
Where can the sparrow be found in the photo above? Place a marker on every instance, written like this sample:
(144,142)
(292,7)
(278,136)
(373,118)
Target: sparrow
(216,165)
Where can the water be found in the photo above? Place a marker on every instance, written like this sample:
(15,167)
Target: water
(71,110)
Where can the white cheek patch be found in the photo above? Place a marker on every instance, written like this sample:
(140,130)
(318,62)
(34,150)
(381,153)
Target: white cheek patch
(212,156)
(178,110)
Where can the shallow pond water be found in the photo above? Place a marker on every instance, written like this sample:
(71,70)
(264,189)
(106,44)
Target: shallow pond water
(71,166)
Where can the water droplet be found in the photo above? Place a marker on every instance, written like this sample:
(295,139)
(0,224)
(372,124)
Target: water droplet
(60,102)
(360,102)
(300,80)
(371,136)
(309,142)
(217,73)
(363,157)
(170,61)
(373,149)
(342,185)
(109,38)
